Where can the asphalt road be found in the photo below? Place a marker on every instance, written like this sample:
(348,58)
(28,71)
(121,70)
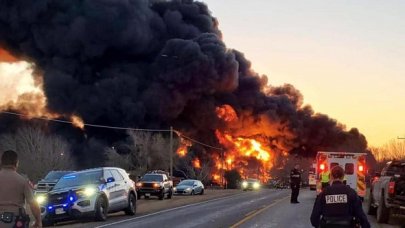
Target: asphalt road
(264,208)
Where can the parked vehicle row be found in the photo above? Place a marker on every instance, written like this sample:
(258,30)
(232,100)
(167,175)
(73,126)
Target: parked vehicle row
(67,195)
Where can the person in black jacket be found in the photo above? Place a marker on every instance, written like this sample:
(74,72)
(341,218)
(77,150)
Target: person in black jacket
(338,205)
(295,181)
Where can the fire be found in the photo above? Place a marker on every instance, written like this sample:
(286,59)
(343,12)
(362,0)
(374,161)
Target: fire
(183,148)
(77,121)
(249,156)
(196,163)
(226,113)
(22,91)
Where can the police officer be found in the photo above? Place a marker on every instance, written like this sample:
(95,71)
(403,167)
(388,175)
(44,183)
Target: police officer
(295,181)
(338,205)
(15,190)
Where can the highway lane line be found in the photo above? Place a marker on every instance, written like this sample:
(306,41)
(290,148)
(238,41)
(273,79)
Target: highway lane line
(250,213)
(171,209)
(257,212)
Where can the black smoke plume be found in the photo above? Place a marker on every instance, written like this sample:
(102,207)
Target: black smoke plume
(153,64)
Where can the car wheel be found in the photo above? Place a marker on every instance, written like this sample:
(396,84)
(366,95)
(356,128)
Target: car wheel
(169,196)
(382,211)
(202,192)
(101,209)
(131,209)
(162,195)
(371,209)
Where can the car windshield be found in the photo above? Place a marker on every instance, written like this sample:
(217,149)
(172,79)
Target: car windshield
(55,175)
(152,177)
(187,183)
(79,179)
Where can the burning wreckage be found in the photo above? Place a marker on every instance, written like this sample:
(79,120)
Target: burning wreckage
(152,64)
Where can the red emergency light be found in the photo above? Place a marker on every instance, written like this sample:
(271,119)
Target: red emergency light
(322,167)
(361,168)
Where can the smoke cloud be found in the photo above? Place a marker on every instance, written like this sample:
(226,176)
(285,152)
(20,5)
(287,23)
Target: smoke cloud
(153,64)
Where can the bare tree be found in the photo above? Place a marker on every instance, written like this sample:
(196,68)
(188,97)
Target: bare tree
(393,149)
(38,152)
(144,151)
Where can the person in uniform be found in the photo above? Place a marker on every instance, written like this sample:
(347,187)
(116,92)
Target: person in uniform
(325,177)
(338,205)
(15,190)
(295,181)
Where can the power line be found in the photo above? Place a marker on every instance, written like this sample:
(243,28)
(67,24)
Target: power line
(113,127)
(85,124)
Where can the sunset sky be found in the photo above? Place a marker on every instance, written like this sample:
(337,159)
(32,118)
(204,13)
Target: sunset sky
(346,57)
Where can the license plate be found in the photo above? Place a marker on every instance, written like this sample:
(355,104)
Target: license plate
(59,211)
(147,194)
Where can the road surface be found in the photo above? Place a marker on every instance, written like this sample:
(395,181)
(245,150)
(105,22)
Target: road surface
(264,208)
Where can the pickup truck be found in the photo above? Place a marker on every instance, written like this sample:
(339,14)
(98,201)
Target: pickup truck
(49,181)
(387,192)
(155,184)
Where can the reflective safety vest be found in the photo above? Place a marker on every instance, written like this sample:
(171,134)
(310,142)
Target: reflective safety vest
(325,176)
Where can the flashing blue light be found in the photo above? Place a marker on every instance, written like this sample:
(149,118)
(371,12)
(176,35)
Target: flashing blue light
(64,205)
(50,207)
(69,177)
(71,198)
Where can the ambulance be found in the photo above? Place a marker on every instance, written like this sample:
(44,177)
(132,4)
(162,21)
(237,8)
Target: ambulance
(354,165)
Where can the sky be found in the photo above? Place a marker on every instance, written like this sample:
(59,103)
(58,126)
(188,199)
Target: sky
(346,57)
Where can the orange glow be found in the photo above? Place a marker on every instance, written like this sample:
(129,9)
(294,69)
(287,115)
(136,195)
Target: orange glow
(226,113)
(5,56)
(216,177)
(361,168)
(196,163)
(77,121)
(322,167)
(249,156)
(182,151)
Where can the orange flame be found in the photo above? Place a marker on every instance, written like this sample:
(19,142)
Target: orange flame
(241,152)
(196,163)
(23,92)
(226,113)
(77,121)
(182,151)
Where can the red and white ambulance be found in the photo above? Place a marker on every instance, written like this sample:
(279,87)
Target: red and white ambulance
(354,165)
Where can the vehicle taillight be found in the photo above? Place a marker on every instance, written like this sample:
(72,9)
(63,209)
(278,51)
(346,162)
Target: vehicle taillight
(391,187)
(322,167)
(361,168)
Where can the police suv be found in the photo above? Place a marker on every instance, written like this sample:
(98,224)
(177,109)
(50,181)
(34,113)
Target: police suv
(93,192)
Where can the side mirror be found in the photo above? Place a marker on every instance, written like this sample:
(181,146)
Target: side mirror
(110,179)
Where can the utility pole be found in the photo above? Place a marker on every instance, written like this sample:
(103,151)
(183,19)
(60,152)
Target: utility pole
(171,151)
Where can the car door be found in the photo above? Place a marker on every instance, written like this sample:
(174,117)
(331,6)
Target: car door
(121,190)
(110,189)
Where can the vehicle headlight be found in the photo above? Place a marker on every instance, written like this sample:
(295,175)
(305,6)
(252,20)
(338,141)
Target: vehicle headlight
(256,185)
(87,192)
(139,184)
(156,185)
(244,184)
(174,189)
(40,199)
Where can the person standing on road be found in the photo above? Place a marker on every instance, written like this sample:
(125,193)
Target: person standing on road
(325,177)
(15,190)
(338,205)
(295,181)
